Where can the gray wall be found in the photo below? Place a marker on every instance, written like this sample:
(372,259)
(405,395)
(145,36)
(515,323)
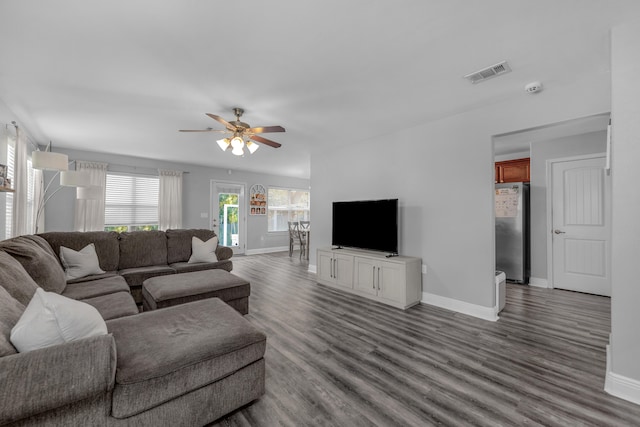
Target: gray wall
(625,175)
(59,211)
(443,174)
(541,151)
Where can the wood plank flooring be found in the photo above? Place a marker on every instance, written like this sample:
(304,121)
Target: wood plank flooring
(334,359)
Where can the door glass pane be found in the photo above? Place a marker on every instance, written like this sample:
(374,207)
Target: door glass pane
(228,219)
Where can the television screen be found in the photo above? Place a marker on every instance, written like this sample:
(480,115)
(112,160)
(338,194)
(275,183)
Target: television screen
(366,224)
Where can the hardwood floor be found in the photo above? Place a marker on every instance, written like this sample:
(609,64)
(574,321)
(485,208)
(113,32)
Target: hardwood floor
(338,360)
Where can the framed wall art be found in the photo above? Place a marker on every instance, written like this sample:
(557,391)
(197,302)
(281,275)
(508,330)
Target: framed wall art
(257,200)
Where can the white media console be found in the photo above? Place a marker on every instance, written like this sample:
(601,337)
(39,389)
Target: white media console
(396,281)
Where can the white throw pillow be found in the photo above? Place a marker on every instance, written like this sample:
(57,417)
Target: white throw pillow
(52,319)
(203,251)
(80,263)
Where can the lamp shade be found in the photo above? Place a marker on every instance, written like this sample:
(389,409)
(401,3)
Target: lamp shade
(237,143)
(93,192)
(252,147)
(46,160)
(74,178)
(224,143)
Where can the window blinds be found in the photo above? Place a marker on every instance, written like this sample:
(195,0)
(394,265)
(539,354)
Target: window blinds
(131,200)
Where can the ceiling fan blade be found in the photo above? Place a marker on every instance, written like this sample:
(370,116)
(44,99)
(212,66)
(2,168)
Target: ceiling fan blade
(265,141)
(266,129)
(221,120)
(203,130)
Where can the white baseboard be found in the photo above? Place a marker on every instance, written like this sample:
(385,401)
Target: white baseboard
(313,268)
(538,282)
(485,313)
(620,386)
(266,250)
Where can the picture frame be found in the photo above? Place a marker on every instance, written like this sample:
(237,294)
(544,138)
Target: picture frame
(257,200)
(3,171)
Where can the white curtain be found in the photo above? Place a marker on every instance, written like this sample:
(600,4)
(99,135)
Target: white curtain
(90,212)
(22,213)
(170,200)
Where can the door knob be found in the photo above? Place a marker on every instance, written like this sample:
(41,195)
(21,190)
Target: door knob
(559,232)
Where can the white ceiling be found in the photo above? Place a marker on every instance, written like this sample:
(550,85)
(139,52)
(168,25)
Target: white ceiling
(124,76)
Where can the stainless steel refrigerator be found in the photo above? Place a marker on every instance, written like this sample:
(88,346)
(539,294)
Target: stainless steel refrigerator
(512,231)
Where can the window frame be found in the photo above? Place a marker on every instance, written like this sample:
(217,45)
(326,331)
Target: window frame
(288,209)
(132,226)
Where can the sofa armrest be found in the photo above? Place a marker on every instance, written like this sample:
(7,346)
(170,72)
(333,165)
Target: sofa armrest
(44,379)
(223,252)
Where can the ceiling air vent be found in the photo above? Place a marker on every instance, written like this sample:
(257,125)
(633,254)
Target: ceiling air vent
(489,72)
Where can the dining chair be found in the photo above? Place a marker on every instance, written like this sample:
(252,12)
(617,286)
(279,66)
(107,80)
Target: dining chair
(304,232)
(294,235)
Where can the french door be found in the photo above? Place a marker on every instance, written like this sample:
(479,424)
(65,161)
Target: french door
(228,218)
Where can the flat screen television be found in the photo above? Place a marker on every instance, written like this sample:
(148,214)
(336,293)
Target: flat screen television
(366,224)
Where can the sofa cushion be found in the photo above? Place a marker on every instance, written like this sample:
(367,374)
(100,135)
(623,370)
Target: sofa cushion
(38,259)
(10,311)
(185,267)
(92,277)
(96,288)
(170,352)
(179,243)
(80,263)
(15,280)
(142,249)
(136,276)
(113,306)
(52,319)
(106,243)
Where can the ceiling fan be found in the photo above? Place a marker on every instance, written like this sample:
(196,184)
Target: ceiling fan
(243,134)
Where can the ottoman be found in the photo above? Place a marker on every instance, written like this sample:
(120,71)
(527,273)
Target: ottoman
(174,289)
(201,357)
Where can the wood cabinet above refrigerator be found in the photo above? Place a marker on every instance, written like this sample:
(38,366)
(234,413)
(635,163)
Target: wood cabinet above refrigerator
(516,170)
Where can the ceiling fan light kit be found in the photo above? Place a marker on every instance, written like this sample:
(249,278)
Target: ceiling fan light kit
(243,134)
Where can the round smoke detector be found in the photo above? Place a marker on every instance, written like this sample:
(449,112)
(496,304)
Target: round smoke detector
(533,87)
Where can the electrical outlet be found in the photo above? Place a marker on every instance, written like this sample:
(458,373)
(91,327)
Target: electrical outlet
(424,268)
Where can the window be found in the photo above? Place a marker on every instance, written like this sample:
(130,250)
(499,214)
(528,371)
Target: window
(11,155)
(131,202)
(284,204)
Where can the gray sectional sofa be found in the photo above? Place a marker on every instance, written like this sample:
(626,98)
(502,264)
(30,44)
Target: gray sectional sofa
(139,255)
(186,365)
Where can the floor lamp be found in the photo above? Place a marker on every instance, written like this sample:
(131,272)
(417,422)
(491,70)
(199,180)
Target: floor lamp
(46,160)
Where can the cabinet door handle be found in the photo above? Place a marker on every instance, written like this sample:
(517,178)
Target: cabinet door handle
(335,268)
(373,277)
(331,268)
(378,278)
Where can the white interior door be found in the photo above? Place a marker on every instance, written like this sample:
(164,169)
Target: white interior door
(228,218)
(581,226)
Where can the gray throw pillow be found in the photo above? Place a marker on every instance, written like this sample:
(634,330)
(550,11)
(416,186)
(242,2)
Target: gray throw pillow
(80,263)
(10,312)
(15,280)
